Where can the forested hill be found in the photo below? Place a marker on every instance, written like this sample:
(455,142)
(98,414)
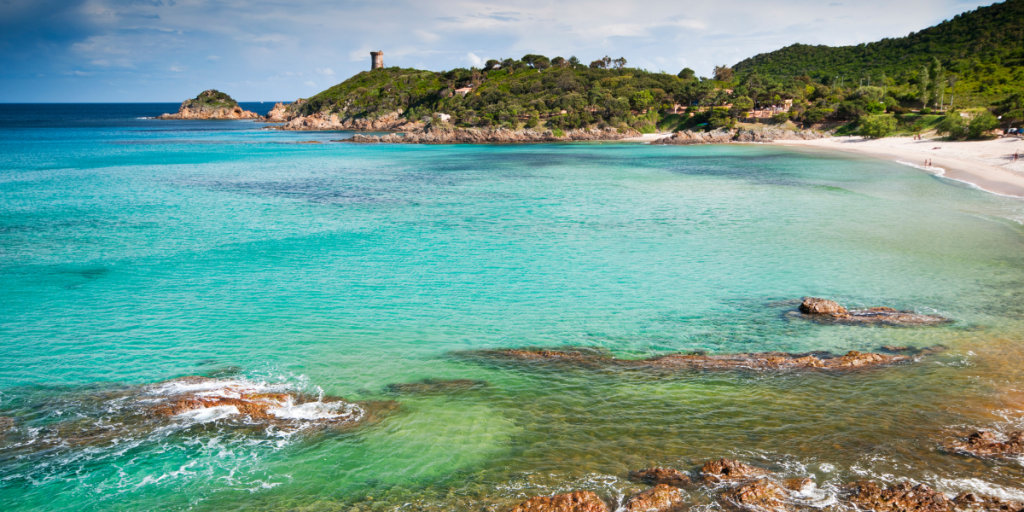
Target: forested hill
(984,46)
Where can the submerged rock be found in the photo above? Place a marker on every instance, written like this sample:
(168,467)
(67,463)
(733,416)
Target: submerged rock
(800,485)
(427,386)
(986,444)
(195,406)
(660,498)
(823,310)
(903,497)
(6,424)
(723,470)
(578,501)
(755,361)
(667,476)
(759,495)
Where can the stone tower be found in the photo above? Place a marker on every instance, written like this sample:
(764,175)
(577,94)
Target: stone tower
(376,60)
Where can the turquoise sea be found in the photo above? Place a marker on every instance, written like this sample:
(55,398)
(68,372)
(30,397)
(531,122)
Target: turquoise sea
(133,251)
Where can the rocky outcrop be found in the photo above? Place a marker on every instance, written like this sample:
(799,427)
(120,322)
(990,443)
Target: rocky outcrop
(578,501)
(987,444)
(759,495)
(436,386)
(442,133)
(759,134)
(211,104)
(723,470)
(823,310)
(660,498)
(668,476)
(903,497)
(755,361)
(282,113)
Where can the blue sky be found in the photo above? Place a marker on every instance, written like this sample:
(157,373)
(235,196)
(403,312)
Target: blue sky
(271,50)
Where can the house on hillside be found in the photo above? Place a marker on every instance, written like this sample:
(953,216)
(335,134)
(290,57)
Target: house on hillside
(462,91)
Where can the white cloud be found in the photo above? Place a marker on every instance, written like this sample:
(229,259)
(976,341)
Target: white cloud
(325,71)
(310,83)
(474,60)
(177,69)
(213,58)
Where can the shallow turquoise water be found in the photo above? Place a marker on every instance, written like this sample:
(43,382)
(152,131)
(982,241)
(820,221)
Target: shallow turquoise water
(136,251)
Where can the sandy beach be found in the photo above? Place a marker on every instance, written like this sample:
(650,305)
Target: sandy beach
(986,164)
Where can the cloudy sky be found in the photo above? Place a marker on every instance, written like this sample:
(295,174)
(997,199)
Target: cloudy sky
(266,50)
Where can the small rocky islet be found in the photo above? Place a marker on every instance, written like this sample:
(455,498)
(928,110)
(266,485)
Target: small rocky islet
(735,485)
(988,444)
(211,105)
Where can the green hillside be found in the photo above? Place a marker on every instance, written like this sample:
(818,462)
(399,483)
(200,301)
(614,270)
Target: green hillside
(974,61)
(982,49)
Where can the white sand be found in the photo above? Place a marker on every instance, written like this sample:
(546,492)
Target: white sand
(647,137)
(986,164)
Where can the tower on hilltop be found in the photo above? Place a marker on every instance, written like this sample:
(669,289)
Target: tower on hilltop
(376,60)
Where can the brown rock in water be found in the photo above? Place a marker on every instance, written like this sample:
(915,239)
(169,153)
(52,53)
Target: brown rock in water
(970,502)
(760,495)
(824,310)
(903,497)
(660,498)
(6,424)
(722,470)
(578,501)
(426,386)
(756,361)
(984,443)
(801,485)
(667,476)
(816,306)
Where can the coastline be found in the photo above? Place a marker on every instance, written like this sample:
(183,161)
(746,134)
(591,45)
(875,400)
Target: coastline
(986,165)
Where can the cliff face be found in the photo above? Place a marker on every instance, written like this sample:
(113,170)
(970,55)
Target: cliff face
(282,113)
(211,104)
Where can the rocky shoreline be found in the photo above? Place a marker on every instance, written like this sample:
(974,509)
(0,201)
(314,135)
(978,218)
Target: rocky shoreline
(737,486)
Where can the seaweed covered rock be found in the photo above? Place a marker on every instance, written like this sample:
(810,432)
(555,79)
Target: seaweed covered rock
(660,498)
(667,476)
(6,424)
(752,361)
(986,444)
(211,104)
(723,470)
(578,501)
(903,497)
(434,386)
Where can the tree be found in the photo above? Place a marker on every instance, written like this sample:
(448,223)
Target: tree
(598,64)
(742,104)
(574,62)
(492,64)
(923,83)
(723,73)
(876,127)
(981,124)
(641,99)
(938,76)
(559,62)
(686,74)
(619,62)
(953,125)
